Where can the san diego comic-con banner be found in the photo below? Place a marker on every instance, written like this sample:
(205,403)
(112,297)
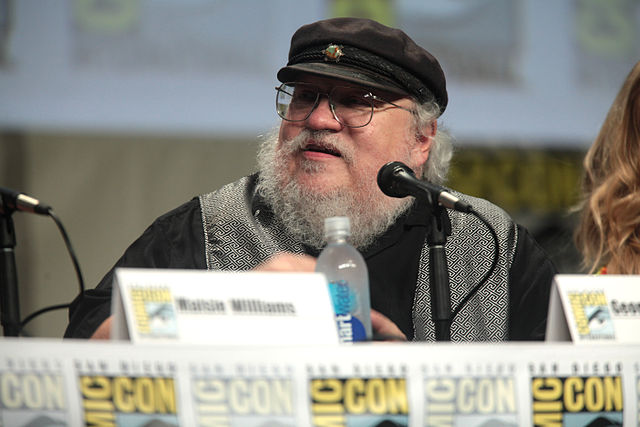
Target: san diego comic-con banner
(74,383)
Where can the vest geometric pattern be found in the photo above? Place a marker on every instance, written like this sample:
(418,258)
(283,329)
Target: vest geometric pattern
(239,234)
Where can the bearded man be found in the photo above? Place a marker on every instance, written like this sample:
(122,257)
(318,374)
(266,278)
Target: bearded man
(354,96)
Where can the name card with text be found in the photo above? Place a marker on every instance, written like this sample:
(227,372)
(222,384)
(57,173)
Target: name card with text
(594,309)
(226,308)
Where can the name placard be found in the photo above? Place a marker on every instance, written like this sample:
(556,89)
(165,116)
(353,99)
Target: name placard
(594,309)
(222,308)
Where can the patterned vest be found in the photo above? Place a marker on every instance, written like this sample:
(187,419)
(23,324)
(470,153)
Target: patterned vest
(240,234)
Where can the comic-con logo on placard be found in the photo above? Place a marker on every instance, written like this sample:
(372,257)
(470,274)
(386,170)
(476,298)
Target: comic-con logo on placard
(471,401)
(577,401)
(591,315)
(32,399)
(128,400)
(247,402)
(154,312)
(359,401)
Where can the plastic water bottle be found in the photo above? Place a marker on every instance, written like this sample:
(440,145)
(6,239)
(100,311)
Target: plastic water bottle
(348,280)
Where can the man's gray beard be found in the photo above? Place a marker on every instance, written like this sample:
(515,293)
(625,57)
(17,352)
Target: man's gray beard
(302,212)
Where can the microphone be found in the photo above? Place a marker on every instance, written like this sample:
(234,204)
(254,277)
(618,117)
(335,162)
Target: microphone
(396,179)
(21,202)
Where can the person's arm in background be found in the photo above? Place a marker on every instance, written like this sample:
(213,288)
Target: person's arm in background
(530,281)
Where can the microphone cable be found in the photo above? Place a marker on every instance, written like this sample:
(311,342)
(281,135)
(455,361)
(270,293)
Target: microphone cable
(489,272)
(396,179)
(76,266)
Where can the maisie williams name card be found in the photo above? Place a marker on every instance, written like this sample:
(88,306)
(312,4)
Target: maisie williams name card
(226,308)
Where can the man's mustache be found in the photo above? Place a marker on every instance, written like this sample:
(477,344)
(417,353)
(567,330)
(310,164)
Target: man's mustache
(327,139)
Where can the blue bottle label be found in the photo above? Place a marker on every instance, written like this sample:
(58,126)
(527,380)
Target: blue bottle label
(350,328)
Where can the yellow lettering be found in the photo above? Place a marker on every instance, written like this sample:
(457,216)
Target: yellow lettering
(165,394)
(238,400)
(573,394)
(327,390)
(261,393)
(144,396)
(32,392)
(214,421)
(485,396)
(594,394)
(98,407)
(354,402)
(440,393)
(212,396)
(397,396)
(464,402)
(282,396)
(9,391)
(546,389)
(123,394)
(613,394)
(547,406)
(547,420)
(439,420)
(577,307)
(326,395)
(100,419)
(54,391)
(95,388)
(505,395)
(376,396)
(329,421)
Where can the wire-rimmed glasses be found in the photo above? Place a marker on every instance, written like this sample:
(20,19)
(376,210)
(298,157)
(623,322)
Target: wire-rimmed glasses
(351,106)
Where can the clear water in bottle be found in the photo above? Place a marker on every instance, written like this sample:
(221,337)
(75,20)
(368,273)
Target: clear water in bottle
(348,279)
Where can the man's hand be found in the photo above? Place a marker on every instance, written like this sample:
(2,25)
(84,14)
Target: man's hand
(384,329)
(104,330)
(289,262)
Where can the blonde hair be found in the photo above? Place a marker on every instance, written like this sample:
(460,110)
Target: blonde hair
(609,229)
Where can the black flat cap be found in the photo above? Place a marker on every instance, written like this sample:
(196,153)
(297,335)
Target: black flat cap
(368,53)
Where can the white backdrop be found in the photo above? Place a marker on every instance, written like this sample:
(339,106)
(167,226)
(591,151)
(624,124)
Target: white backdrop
(519,71)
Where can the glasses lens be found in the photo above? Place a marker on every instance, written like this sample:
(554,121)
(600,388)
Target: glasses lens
(295,101)
(353,107)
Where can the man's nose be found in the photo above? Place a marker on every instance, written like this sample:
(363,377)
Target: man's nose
(321,118)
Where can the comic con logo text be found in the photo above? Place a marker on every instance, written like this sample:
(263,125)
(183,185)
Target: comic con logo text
(554,396)
(332,400)
(31,391)
(103,397)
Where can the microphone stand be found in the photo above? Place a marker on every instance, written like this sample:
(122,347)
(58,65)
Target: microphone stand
(439,272)
(9,300)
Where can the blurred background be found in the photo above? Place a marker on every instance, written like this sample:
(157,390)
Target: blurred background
(116,111)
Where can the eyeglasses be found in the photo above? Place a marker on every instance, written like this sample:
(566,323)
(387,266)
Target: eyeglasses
(351,106)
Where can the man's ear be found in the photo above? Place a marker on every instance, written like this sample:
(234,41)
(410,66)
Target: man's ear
(424,140)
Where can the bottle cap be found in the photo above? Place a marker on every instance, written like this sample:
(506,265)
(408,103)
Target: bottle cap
(337,225)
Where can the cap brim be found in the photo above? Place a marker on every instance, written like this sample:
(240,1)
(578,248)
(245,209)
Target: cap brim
(332,70)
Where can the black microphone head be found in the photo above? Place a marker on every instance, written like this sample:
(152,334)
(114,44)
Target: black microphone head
(387,179)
